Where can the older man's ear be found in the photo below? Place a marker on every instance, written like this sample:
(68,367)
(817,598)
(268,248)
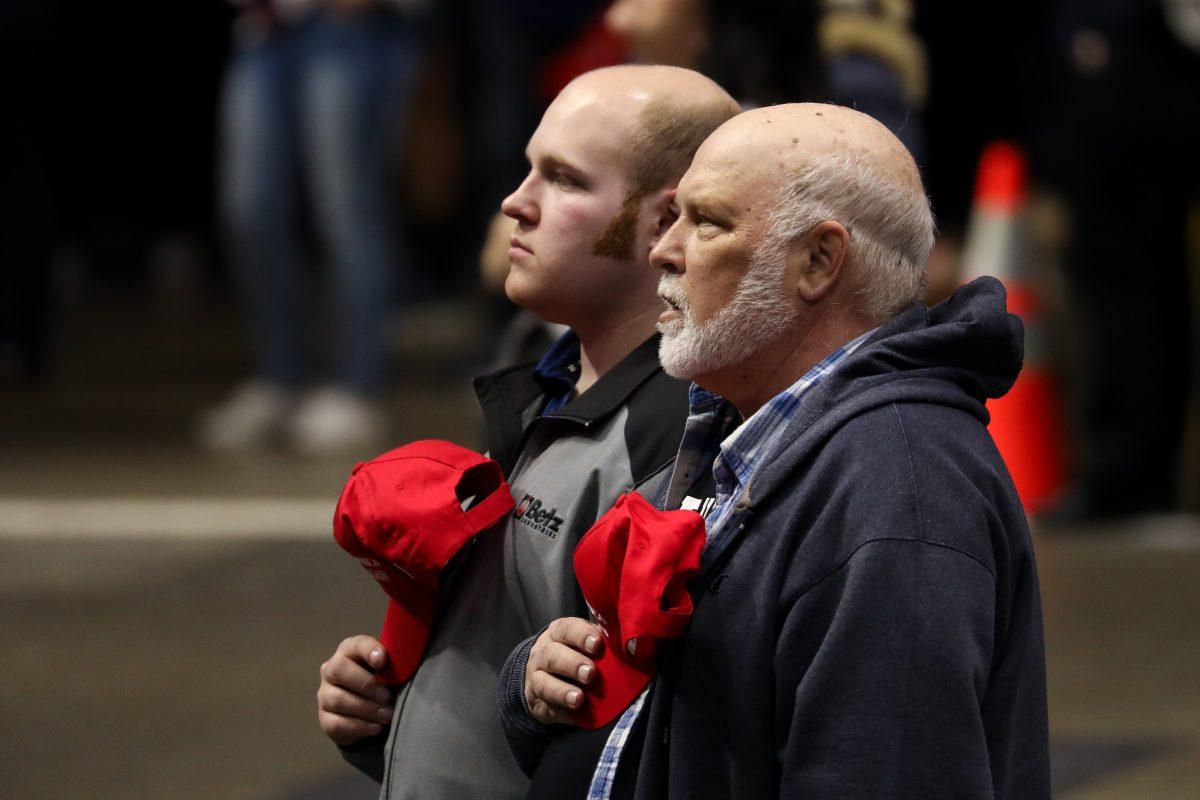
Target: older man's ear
(819,259)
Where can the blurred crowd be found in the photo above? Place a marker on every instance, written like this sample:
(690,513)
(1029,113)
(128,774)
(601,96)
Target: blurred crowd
(266,147)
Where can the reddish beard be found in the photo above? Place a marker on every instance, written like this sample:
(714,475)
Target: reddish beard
(619,237)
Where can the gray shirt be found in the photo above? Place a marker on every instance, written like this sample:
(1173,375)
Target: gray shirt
(446,740)
(565,469)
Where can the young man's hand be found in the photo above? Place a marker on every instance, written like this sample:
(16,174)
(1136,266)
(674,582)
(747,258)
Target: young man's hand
(558,666)
(351,703)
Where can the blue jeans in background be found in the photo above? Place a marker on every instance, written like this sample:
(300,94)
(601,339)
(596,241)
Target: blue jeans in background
(313,112)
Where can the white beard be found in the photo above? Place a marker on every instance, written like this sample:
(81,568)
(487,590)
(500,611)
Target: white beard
(757,315)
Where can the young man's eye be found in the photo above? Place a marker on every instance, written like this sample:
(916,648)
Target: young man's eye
(566,181)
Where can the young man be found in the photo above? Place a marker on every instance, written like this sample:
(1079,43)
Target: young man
(867,619)
(595,418)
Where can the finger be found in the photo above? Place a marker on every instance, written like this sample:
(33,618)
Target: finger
(346,730)
(365,650)
(577,633)
(550,715)
(349,675)
(555,692)
(346,704)
(565,662)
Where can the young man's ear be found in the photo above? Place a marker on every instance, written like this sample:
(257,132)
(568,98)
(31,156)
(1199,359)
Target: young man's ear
(664,212)
(819,259)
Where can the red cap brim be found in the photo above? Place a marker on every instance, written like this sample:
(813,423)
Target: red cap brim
(405,634)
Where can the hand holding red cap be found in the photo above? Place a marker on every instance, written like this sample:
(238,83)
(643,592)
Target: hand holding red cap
(633,566)
(402,516)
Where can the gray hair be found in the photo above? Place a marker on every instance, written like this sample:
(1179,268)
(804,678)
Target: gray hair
(891,226)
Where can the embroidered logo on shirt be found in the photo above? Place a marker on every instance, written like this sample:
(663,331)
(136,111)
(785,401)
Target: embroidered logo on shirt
(531,512)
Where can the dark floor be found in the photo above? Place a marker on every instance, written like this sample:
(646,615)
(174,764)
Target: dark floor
(164,612)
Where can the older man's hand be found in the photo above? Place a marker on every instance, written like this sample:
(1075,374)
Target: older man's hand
(351,703)
(558,667)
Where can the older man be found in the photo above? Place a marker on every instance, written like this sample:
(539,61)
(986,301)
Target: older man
(867,620)
(595,418)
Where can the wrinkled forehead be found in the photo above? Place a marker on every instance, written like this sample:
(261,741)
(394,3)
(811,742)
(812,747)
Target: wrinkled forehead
(745,173)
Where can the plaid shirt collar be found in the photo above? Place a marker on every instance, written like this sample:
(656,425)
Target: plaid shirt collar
(710,437)
(760,438)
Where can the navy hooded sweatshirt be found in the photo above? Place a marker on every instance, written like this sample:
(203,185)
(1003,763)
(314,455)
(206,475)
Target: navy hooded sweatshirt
(874,630)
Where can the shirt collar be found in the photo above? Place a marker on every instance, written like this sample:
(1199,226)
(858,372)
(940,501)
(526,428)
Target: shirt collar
(756,440)
(701,400)
(558,371)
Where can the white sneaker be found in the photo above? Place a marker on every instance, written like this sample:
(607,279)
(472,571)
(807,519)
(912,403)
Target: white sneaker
(332,421)
(251,418)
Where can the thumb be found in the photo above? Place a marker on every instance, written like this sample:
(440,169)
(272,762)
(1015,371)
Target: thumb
(643,649)
(377,658)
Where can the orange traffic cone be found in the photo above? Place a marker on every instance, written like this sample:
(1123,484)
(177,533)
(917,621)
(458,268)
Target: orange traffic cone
(1025,422)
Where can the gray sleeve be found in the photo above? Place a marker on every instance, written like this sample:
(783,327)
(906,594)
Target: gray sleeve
(527,738)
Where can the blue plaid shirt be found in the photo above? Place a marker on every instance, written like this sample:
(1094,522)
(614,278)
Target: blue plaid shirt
(754,443)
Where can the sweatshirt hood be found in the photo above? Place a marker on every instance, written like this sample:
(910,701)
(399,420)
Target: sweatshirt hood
(970,340)
(958,353)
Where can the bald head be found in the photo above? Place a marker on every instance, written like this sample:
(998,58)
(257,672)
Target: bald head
(796,131)
(834,163)
(651,79)
(668,112)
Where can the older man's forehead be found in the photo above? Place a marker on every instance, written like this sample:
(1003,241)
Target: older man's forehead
(714,197)
(739,177)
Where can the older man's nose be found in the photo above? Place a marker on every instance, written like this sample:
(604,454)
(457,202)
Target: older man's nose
(667,254)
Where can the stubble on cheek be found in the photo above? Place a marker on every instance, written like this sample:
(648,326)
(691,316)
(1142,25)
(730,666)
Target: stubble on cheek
(619,237)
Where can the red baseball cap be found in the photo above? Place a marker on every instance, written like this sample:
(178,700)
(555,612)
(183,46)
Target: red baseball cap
(402,516)
(633,566)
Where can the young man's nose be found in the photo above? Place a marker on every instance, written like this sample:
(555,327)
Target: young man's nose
(520,204)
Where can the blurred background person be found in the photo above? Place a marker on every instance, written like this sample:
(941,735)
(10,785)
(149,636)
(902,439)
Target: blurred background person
(849,52)
(1114,94)
(313,104)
